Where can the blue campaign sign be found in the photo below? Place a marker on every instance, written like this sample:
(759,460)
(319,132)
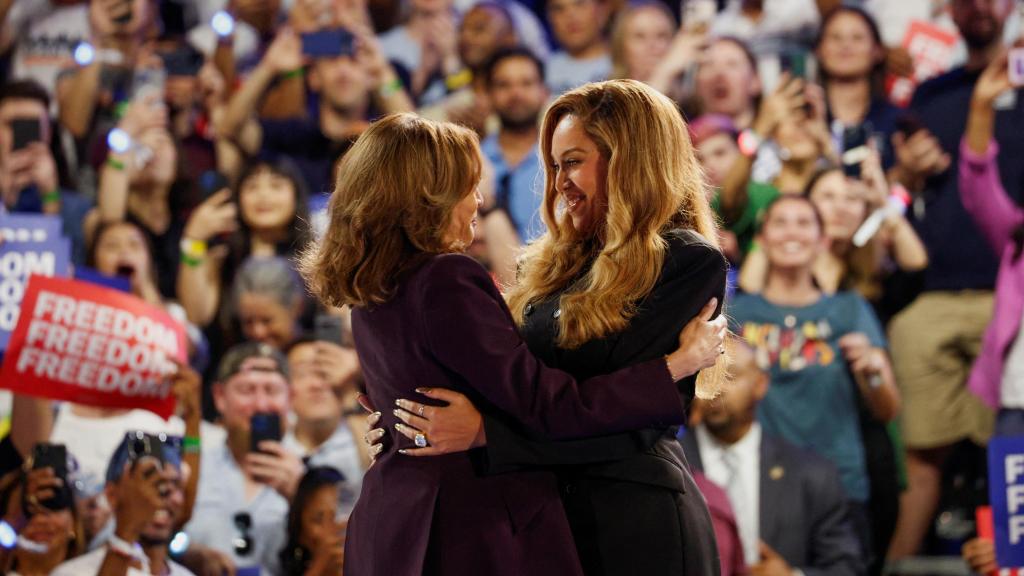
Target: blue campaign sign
(29,228)
(93,276)
(19,260)
(1006,494)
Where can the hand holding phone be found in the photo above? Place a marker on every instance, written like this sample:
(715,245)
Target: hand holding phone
(47,485)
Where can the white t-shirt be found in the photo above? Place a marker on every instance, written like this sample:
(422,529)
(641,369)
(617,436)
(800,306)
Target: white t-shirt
(45,37)
(92,441)
(90,564)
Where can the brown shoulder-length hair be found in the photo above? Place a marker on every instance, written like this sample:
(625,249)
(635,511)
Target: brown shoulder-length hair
(654,185)
(391,207)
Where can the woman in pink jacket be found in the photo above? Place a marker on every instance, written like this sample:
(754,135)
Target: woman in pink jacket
(998,374)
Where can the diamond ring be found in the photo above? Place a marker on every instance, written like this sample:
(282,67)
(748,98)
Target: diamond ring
(420,440)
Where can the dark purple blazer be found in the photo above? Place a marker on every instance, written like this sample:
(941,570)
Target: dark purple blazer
(448,326)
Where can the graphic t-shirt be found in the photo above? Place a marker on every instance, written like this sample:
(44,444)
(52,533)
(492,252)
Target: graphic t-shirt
(812,399)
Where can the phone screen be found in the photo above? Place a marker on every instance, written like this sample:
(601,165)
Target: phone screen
(328,328)
(25,131)
(855,149)
(263,426)
(328,43)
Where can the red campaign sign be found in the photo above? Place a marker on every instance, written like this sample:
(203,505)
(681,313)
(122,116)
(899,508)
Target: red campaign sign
(931,49)
(81,342)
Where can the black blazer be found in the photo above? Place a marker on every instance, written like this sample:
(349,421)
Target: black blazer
(632,505)
(803,509)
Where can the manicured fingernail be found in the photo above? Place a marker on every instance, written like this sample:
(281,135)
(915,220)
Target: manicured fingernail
(396,412)
(377,414)
(398,402)
(398,426)
(402,452)
(422,390)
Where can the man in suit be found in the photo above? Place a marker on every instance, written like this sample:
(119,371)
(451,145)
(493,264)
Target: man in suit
(789,503)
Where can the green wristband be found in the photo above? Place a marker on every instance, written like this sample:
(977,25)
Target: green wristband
(297,73)
(52,197)
(391,88)
(190,261)
(115,163)
(190,445)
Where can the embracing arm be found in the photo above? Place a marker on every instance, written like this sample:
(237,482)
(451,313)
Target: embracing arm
(693,273)
(469,330)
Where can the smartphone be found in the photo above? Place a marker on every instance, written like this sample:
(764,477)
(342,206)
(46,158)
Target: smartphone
(54,456)
(142,445)
(855,149)
(794,62)
(1015,62)
(329,328)
(46,455)
(263,426)
(698,15)
(149,80)
(211,182)
(328,43)
(182,61)
(25,131)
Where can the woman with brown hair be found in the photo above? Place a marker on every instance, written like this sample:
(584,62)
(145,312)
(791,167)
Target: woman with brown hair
(628,260)
(427,316)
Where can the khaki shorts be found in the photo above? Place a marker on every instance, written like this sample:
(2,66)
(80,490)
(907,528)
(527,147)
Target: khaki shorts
(933,343)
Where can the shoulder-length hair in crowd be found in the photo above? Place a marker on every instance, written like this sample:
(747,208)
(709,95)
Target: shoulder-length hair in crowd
(877,73)
(654,184)
(299,233)
(396,189)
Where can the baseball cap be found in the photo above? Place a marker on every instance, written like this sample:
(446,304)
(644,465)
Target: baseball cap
(235,358)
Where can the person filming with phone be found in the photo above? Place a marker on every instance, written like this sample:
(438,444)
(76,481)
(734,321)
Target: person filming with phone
(246,482)
(30,177)
(145,489)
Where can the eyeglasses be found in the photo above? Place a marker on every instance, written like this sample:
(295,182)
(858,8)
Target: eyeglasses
(243,542)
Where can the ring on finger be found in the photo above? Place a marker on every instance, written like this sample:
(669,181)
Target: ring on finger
(420,440)
(420,411)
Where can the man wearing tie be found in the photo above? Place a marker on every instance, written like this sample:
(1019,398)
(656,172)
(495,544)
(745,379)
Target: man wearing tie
(789,503)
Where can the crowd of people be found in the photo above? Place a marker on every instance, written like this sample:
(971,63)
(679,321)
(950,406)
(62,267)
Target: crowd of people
(191,148)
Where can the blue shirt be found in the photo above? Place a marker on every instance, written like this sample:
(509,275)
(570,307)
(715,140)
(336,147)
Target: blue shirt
(519,190)
(959,257)
(812,400)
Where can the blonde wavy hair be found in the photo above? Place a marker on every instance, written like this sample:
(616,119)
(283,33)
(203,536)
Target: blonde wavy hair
(391,207)
(654,185)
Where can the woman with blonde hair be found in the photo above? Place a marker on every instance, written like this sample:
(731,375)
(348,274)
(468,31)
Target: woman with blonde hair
(424,315)
(629,259)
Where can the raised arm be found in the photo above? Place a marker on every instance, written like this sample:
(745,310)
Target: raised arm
(283,56)
(981,190)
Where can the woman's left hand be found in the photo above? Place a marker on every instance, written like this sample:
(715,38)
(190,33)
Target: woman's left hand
(456,427)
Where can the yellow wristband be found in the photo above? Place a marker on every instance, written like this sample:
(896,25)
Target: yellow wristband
(456,81)
(193,248)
